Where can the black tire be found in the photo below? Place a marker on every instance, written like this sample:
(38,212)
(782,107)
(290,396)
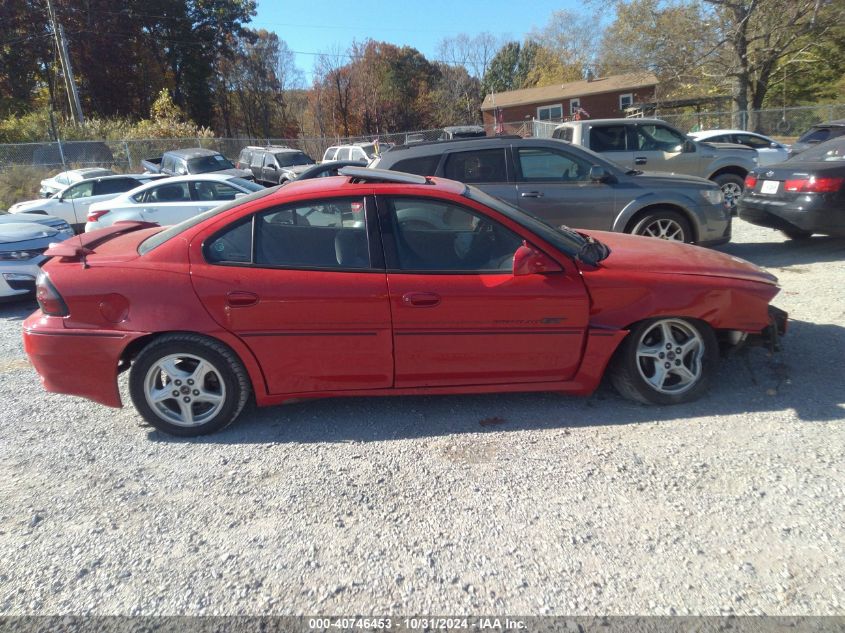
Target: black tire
(229,378)
(796,233)
(629,381)
(644,225)
(730,182)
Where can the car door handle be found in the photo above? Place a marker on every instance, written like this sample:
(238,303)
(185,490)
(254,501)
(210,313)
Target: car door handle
(241,299)
(421,299)
(531,194)
(640,160)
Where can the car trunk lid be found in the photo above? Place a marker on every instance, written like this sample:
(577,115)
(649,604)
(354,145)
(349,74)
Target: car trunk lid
(118,242)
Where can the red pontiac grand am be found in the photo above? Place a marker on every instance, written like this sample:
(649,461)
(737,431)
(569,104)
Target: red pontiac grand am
(380,283)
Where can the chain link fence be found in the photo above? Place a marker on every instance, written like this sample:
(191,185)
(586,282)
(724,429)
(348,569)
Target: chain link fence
(126,155)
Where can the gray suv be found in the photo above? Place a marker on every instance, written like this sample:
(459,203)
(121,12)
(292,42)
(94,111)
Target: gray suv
(563,184)
(655,145)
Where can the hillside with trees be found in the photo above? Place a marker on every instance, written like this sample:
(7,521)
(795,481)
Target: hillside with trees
(223,77)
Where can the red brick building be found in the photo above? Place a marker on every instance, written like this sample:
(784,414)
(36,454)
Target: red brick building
(601,98)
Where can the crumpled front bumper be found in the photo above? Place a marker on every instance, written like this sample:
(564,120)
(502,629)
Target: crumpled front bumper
(771,334)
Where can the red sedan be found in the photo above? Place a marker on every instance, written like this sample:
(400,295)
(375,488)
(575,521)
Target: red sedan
(380,283)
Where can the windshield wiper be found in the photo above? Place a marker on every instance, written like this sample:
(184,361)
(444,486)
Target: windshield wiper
(592,251)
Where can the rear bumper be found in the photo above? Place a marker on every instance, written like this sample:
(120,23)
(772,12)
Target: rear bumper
(813,213)
(76,362)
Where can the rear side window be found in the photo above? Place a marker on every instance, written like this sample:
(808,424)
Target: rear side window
(171,192)
(563,133)
(330,153)
(114,185)
(321,234)
(421,165)
(256,159)
(611,138)
(486,165)
(244,158)
(343,153)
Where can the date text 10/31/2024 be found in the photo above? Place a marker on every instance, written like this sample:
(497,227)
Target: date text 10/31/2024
(375,623)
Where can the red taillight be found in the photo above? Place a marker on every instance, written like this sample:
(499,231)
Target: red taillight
(814,185)
(93,216)
(750,181)
(49,299)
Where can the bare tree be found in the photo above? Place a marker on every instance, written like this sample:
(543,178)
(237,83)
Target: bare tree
(473,53)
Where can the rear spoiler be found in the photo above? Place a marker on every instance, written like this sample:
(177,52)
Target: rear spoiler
(79,246)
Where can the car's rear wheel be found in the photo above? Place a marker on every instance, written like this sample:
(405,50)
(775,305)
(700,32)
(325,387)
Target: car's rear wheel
(731,186)
(188,385)
(796,234)
(665,225)
(665,361)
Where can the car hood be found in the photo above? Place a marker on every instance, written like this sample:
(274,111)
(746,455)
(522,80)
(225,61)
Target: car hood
(664,179)
(240,173)
(11,232)
(30,204)
(38,218)
(663,257)
(724,148)
(296,169)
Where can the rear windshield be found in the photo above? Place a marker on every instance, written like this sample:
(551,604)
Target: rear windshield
(832,151)
(160,238)
(288,159)
(205,164)
(815,135)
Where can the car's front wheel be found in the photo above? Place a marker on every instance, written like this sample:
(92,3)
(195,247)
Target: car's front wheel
(665,225)
(665,361)
(188,385)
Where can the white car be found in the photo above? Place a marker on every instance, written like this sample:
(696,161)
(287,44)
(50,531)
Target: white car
(22,246)
(50,186)
(169,201)
(71,203)
(769,151)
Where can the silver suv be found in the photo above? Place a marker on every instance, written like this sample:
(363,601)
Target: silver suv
(654,145)
(560,183)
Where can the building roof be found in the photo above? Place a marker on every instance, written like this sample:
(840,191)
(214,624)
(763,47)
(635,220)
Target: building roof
(581,88)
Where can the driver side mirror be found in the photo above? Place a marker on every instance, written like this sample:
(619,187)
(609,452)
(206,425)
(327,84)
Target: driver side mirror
(688,147)
(774,145)
(599,174)
(529,261)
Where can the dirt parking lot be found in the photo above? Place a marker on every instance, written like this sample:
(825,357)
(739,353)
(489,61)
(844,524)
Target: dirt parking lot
(515,504)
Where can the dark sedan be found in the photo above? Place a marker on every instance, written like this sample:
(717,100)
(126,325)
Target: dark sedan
(801,196)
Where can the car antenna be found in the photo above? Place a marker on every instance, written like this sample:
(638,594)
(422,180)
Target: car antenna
(64,168)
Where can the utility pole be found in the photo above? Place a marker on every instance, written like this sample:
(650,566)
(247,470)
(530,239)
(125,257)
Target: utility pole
(67,70)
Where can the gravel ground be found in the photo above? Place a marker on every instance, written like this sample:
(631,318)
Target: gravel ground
(480,504)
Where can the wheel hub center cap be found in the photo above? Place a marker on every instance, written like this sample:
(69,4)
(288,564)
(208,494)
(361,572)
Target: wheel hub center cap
(185,389)
(671,355)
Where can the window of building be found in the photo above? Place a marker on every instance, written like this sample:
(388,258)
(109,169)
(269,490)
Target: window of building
(574,104)
(626,101)
(550,113)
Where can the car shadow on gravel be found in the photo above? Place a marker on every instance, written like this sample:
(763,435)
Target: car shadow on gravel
(751,381)
(17,309)
(789,252)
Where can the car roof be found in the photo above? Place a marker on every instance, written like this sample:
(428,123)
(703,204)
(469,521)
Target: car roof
(835,123)
(726,131)
(192,152)
(453,142)
(618,121)
(210,177)
(350,185)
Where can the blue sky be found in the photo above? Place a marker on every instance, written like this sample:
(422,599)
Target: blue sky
(310,26)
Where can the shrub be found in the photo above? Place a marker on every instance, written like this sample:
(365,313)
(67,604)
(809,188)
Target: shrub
(19,183)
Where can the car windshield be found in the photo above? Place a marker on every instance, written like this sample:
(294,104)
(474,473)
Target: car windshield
(205,164)
(161,237)
(249,185)
(832,151)
(562,237)
(289,159)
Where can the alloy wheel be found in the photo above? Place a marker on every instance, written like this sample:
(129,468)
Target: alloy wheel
(664,229)
(669,355)
(184,389)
